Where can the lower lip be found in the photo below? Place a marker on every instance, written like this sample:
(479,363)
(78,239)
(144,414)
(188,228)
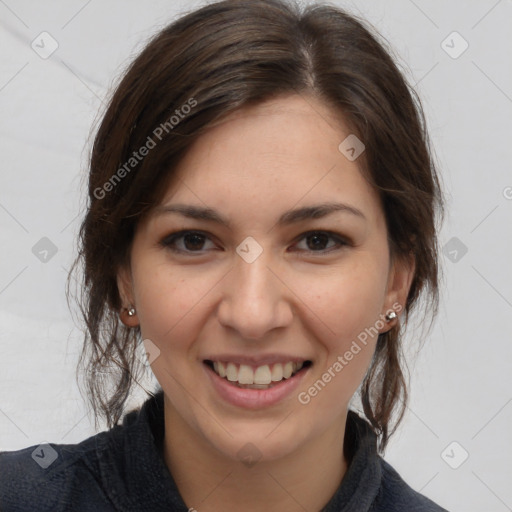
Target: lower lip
(254,398)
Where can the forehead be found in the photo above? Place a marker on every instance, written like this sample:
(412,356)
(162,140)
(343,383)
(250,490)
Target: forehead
(272,156)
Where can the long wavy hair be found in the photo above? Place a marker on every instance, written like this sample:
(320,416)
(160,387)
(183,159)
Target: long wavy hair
(215,60)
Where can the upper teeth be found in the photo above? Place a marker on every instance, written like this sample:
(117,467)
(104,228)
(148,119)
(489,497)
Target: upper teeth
(244,374)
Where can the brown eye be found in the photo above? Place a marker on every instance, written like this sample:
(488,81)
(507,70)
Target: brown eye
(318,241)
(185,241)
(193,241)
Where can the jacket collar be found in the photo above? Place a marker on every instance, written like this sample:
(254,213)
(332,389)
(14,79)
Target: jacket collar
(132,464)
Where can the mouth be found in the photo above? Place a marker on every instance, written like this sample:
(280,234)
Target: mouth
(265,376)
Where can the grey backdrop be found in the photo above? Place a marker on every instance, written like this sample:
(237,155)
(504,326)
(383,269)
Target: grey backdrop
(57,62)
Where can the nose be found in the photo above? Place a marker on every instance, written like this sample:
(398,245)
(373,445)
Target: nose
(255,299)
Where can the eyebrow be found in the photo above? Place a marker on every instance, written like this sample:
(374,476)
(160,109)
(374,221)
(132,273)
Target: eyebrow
(290,217)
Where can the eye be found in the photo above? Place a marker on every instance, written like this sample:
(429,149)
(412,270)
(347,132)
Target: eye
(317,241)
(185,241)
(190,242)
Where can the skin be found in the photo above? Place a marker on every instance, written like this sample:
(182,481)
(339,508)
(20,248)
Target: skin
(301,297)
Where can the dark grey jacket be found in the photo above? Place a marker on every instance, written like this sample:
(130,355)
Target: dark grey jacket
(123,470)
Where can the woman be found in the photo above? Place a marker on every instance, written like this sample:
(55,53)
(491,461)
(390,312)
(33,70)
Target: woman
(261,221)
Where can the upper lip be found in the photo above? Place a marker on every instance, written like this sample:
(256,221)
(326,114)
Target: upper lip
(256,360)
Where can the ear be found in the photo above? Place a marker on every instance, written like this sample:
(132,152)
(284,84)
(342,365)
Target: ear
(125,289)
(401,274)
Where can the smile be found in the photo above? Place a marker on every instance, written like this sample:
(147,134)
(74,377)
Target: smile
(256,377)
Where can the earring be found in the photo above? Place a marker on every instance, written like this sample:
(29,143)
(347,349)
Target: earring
(131,311)
(390,316)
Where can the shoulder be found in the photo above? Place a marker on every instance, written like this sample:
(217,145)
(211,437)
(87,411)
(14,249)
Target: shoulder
(54,477)
(394,494)
(370,483)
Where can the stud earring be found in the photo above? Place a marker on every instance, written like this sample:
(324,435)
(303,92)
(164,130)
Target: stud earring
(390,316)
(131,311)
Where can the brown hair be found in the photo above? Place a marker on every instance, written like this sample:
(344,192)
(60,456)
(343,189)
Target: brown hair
(215,60)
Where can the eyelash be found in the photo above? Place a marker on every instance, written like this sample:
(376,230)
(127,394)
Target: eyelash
(170,239)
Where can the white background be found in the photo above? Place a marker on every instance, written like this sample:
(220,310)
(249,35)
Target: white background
(461,381)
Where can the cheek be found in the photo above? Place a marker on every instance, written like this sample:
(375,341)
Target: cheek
(348,307)
(165,303)
(347,300)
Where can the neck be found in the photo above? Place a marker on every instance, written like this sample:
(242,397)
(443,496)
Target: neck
(208,480)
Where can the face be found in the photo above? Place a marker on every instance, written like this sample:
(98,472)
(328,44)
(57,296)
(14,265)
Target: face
(263,304)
